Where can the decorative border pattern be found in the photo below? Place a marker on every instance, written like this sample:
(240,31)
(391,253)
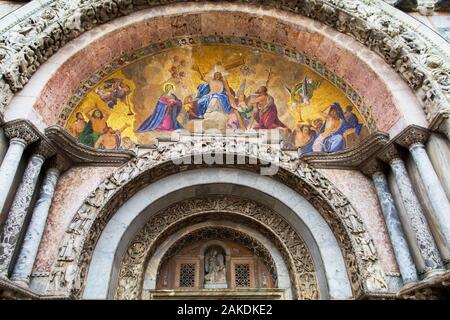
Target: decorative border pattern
(182,42)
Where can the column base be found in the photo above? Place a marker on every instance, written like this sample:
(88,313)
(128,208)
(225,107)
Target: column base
(435,286)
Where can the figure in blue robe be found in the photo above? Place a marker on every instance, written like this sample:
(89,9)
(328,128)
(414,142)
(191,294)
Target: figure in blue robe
(351,120)
(335,140)
(204,96)
(164,117)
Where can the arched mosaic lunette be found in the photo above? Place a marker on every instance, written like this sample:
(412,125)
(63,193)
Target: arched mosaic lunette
(70,269)
(192,41)
(416,57)
(294,250)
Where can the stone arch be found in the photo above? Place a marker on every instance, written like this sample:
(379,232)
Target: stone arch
(283,281)
(290,244)
(207,232)
(409,48)
(70,269)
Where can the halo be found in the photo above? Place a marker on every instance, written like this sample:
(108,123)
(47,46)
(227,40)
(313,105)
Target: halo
(166,84)
(218,68)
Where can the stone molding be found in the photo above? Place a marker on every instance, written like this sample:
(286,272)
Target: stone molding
(351,158)
(294,250)
(69,270)
(80,154)
(421,61)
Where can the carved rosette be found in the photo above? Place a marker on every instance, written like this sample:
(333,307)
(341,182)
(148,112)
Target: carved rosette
(291,245)
(23,130)
(75,253)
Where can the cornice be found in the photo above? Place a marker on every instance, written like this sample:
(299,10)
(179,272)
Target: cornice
(352,158)
(83,155)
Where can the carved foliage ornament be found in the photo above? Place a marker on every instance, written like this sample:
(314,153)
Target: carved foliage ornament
(30,42)
(290,244)
(69,271)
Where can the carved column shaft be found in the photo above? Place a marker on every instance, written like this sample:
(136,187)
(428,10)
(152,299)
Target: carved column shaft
(20,207)
(398,240)
(18,212)
(8,170)
(23,267)
(433,189)
(416,218)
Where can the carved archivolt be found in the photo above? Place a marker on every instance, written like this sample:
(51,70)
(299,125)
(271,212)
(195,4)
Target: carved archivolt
(69,272)
(290,244)
(30,42)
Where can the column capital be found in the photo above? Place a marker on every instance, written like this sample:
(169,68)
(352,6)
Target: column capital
(44,149)
(60,163)
(390,153)
(412,135)
(21,129)
(371,167)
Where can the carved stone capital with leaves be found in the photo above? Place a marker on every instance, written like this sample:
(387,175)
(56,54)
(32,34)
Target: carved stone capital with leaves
(22,130)
(412,135)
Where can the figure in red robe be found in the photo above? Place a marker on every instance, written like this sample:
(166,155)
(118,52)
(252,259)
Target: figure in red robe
(266,115)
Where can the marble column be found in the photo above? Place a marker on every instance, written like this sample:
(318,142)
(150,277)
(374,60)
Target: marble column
(399,243)
(415,216)
(9,167)
(414,139)
(24,265)
(20,207)
(20,134)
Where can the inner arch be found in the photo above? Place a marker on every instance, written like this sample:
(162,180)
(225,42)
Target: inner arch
(296,210)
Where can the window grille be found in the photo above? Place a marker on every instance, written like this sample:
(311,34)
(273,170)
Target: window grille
(242,275)
(187,275)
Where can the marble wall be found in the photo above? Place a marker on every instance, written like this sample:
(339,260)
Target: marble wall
(361,193)
(72,188)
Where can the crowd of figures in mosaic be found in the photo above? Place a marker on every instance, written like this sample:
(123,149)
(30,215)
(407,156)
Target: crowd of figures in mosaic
(26,45)
(222,88)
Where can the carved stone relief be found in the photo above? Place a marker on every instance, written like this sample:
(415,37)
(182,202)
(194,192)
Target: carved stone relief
(79,241)
(290,244)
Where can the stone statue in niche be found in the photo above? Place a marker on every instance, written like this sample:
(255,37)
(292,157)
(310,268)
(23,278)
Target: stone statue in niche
(215,276)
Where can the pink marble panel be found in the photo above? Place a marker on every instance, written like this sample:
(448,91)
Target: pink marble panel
(72,188)
(361,193)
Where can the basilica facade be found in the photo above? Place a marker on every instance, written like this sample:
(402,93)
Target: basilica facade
(241,149)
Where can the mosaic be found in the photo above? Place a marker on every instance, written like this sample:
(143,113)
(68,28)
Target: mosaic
(201,85)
